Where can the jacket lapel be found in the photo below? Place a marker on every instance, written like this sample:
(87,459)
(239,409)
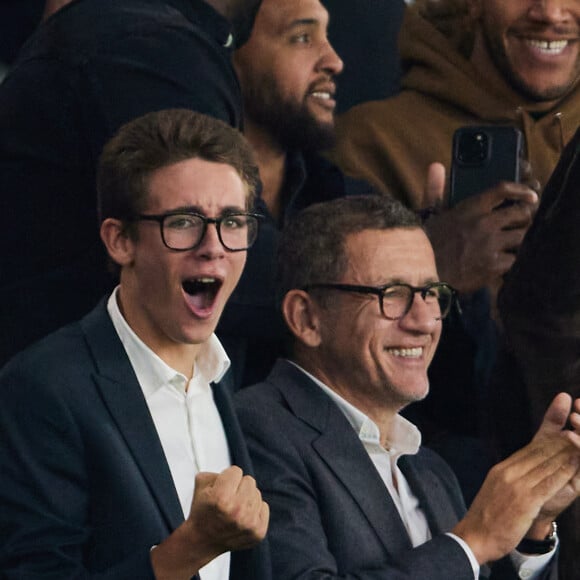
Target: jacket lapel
(433,499)
(124,399)
(340,448)
(245,564)
(223,400)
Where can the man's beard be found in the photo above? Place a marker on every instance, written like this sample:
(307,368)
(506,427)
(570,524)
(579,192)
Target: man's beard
(291,124)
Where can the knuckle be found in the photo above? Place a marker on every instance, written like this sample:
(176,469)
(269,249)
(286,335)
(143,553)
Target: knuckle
(235,470)
(224,504)
(248,479)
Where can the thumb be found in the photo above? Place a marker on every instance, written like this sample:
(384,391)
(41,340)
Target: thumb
(556,416)
(434,185)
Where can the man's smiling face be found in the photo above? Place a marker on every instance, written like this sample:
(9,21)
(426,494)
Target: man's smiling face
(374,362)
(533,44)
(287,71)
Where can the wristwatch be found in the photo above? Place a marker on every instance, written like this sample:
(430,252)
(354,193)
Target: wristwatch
(544,546)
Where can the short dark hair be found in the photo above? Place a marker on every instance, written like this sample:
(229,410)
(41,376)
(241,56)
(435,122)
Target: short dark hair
(160,139)
(312,245)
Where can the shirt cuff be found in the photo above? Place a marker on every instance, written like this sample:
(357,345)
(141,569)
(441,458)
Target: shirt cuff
(530,567)
(474,563)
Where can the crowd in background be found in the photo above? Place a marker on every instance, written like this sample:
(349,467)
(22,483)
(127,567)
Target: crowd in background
(398,87)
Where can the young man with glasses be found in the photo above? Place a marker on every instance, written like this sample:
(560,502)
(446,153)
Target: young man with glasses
(121,455)
(106,62)
(352,492)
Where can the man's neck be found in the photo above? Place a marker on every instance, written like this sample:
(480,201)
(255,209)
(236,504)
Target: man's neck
(382,415)
(271,160)
(179,356)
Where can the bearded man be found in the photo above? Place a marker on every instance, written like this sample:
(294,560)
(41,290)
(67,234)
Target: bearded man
(287,72)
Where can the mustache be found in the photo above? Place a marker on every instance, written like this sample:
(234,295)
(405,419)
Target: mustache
(556,32)
(327,84)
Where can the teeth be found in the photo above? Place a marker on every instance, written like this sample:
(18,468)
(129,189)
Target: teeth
(203,284)
(549,47)
(321,95)
(407,352)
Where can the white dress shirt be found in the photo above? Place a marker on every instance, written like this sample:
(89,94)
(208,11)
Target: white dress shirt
(405,439)
(185,416)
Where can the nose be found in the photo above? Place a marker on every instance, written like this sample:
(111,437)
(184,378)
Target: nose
(210,247)
(329,61)
(552,11)
(420,318)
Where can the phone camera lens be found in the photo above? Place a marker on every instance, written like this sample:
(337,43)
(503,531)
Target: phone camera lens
(473,147)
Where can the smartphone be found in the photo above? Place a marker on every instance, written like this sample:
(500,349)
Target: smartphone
(482,157)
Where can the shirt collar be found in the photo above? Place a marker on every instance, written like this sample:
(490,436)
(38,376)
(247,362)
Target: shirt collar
(152,372)
(404,438)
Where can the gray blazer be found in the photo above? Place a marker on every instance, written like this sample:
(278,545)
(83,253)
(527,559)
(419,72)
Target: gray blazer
(331,516)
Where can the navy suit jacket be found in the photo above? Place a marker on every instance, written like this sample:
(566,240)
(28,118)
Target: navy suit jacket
(331,516)
(85,489)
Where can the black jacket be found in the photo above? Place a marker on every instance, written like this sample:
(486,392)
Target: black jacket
(92,67)
(540,310)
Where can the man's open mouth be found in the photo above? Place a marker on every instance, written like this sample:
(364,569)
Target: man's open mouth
(554,47)
(202,292)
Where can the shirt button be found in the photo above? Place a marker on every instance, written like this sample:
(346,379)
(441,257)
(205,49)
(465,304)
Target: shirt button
(525,573)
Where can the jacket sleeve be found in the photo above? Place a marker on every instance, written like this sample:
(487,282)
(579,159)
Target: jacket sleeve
(539,306)
(44,487)
(540,300)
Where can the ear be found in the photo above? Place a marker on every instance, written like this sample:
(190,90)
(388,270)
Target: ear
(301,313)
(119,244)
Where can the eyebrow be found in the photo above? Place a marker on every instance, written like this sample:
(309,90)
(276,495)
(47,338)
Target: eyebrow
(303,22)
(197,209)
(401,281)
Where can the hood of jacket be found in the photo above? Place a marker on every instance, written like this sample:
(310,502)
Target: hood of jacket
(434,65)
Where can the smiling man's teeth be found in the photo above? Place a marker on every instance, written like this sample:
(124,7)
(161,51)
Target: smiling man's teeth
(407,352)
(321,95)
(549,47)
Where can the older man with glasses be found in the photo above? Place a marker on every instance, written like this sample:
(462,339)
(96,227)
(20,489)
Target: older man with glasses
(352,492)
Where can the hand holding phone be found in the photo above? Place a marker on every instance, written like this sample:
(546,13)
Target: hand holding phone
(475,243)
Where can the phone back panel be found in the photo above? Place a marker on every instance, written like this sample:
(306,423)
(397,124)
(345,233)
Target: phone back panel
(483,157)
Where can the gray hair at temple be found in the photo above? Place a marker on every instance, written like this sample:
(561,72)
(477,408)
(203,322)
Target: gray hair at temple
(312,245)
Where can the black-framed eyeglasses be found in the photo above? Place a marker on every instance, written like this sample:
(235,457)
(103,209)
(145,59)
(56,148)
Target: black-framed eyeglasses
(396,300)
(185,230)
